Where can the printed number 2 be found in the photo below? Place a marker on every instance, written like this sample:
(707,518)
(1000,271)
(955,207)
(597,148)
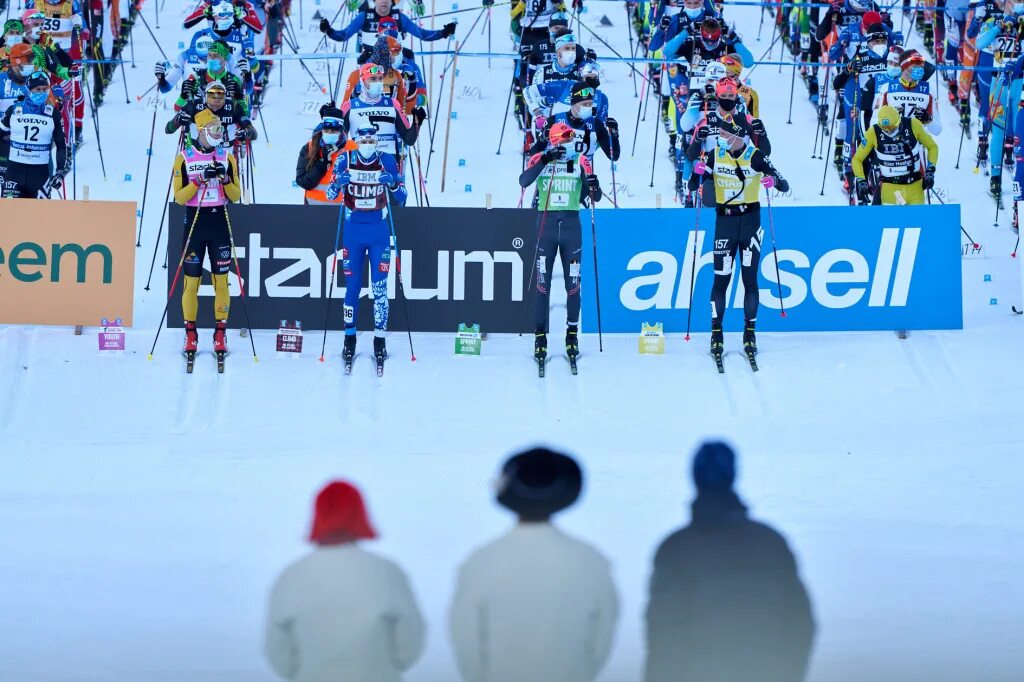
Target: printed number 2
(34,135)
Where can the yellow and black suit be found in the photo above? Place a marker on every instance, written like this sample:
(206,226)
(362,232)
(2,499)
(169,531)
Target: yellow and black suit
(898,160)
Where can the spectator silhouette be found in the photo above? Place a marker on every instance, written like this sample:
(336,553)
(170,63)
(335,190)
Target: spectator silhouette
(535,604)
(726,601)
(341,612)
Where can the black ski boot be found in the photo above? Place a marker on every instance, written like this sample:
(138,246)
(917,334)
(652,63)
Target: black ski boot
(680,187)
(749,339)
(996,187)
(79,140)
(965,113)
(572,345)
(348,352)
(540,350)
(1008,155)
(717,347)
(672,147)
(982,160)
(837,156)
(380,354)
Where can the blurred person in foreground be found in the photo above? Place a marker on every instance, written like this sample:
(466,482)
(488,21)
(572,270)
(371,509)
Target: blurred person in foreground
(726,601)
(534,605)
(342,612)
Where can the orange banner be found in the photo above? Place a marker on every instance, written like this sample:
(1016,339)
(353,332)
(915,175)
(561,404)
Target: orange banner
(66,262)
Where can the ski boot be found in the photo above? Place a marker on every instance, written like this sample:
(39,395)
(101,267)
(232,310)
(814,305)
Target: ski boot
(348,352)
(540,350)
(717,347)
(995,187)
(79,140)
(982,159)
(672,147)
(750,344)
(220,343)
(1008,159)
(380,354)
(527,141)
(664,115)
(572,346)
(837,156)
(191,345)
(965,113)
(680,188)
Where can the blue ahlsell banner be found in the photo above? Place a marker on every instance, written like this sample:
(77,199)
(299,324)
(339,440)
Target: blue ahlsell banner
(841,269)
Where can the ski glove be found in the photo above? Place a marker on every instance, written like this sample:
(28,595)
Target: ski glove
(388,179)
(242,134)
(325,25)
(420,114)
(343,178)
(243,66)
(353,5)
(189,88)
(449,30)
(56,180)
(929,178)
(593,183)
(589,55)
(553,154)
(702,132)
(182,118)
(757,128)
(863,193)
(665,22)
(160,70)
(613,127)
(781,184)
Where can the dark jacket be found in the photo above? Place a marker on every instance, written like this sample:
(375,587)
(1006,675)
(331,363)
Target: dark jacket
(726,601)
(308,178)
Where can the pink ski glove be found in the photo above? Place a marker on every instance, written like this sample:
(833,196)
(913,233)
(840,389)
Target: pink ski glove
(700,168)
(768,182)
(539,122)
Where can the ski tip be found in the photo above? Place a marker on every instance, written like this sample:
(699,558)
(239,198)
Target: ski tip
(149,356)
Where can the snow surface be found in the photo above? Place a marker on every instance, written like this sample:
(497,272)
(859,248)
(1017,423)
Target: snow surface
(145,513)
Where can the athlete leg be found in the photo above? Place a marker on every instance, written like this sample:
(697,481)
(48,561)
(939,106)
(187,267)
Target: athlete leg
(751,234)
(219,251)
(570,248)
(726,241)
(380,266)
(547,247)
(353,256)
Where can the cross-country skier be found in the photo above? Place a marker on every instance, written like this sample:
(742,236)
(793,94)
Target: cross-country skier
(739,171)
(1000,41)
(911,93)
(14,79)
(64,24)
(216,70)
(237,126)
(363,178)
(314,171)
(227,28)
(205,180)
(246,13)
(532,20)
(187,63)
(895,142)
(370,108)
(535,54)
(394,82)
(588,130)
(31,129)
(554,96)
(369,23)
(675,20)
(563,186)
(13,34)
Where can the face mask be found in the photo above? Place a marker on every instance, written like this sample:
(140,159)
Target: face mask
(584,113)
(396,60)
(330,138)
(35,32)
(13,39)
(214,141)
(214,65)
(727,104)
(723,143)
(27,70)
(893,71)
(566,57)
(37,98)
(375,88)
(693,13)
(879,50)
(593,81)
(367,149)
(916,73)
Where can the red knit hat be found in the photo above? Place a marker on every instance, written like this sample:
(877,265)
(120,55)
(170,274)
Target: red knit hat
(869,18)
(339,513)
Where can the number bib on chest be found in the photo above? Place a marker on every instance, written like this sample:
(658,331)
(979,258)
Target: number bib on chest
(31,136)
(380,117)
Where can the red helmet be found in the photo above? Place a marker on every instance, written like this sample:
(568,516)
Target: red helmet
(370,69)
(710,31)
(726,86)
(560,133)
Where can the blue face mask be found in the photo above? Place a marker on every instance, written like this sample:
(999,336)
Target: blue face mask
(37,98)
(722,142)
(330,138)
(916,73)
(693,13)
(893,71)
(214,65)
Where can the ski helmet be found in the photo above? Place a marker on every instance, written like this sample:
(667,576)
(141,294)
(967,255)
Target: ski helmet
(888,119)
(560,133)
(710,32)
(202,45)
(591,73)
(726,87)
(223,16)
(38,79)
(733,64)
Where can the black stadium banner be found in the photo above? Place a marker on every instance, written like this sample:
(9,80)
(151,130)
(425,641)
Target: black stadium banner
(458,265)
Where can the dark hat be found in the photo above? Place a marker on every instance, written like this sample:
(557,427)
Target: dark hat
(36,79)
(340,514)
(330,111)
(558,19)
(580,92)
(714,467)
(538,483)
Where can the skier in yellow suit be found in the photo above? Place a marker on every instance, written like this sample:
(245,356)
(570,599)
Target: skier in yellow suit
(896,144)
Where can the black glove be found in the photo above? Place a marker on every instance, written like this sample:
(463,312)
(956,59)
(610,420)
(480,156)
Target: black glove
(702,132)
(577,5)
(613,127)
(189,88)
(182,118)
(593,184)
(590,55)
(929,178)
(757,128)
(449,30)
(242,134)
(211,172)
(56,180)
(863,191)
(325,25)
(220,169)
(420,114)
(553,154)
(781,184)
(208,12)
(921,115)
(665,22)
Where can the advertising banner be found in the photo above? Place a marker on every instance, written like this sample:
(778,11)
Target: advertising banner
(841,269)
(459,265)
(66,262)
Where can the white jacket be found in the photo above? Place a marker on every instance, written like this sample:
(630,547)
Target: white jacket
(533,605)
(343,614)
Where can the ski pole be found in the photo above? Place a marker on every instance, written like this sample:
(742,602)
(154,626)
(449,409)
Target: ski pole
(398,274)
(153,36)
(138,98)
(448,123)
(241,284)
(96,127)
(145,184)
(831,134)
(588,168)
(508,106)
(960,149)
(632,50)
(334,269)
(775,250)
(696,238)
(177,272)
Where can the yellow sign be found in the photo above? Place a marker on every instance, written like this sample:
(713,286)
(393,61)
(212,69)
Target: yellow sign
(652,339)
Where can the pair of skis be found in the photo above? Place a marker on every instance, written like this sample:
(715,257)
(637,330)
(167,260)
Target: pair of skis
(190,360)
(542,361)
(749,352)
(378,362)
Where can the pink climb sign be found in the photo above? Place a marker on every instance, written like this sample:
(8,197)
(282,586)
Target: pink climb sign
(111,336)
